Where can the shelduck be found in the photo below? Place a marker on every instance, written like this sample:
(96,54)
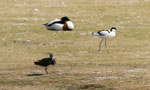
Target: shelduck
(60,24)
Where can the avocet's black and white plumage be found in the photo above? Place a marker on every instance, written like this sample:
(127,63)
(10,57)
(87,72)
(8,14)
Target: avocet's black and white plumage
(104,34)
(60,24)
(45,62)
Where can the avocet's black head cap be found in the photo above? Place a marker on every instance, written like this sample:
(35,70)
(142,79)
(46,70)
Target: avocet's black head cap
(65,18)
(113,28)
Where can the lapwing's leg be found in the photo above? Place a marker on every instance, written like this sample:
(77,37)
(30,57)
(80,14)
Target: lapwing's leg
(106,46)
(46,70)
(100,45)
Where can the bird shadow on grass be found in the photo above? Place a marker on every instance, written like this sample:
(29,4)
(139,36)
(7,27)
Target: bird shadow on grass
(35,74)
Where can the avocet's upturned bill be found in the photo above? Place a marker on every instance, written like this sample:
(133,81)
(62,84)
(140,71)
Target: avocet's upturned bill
(104,34)
(60,24)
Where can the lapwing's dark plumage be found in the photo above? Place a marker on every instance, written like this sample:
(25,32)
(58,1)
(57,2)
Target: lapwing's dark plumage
(45,62)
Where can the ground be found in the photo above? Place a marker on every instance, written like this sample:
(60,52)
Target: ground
(23,40)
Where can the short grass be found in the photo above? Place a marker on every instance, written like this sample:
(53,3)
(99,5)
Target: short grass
(23,40)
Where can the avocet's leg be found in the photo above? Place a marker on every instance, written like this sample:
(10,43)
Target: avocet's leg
(106,46)
(46,70)
(100,45)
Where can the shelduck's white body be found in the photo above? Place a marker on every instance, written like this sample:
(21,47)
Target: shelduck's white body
(56,26)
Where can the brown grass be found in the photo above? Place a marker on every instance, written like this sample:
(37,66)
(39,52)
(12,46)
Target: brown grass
(79,66)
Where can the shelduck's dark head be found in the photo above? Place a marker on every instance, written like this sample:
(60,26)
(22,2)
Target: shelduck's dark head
(113,29)
(65,19)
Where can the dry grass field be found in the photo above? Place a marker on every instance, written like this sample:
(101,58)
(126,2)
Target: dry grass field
(23,40)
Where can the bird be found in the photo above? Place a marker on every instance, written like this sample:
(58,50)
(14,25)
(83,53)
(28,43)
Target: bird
(45,62)
(60,24)
(105,34)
